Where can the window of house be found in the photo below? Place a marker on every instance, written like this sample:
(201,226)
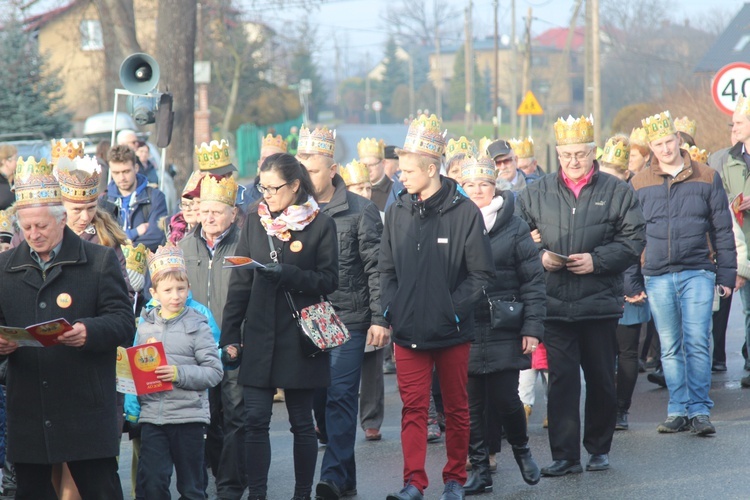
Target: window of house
(91,35)
(742,43)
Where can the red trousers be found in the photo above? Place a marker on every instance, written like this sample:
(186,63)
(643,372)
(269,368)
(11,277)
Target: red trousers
(414,375)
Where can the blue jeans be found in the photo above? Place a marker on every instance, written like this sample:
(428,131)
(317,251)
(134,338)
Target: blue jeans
(341,412)
(163,445)
(681,306)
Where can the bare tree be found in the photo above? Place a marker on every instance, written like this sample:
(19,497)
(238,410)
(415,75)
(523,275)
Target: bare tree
(413,22)
(117,20)
(175,51)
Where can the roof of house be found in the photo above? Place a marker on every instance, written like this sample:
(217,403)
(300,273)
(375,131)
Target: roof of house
(556,38)
(37,21)
(733,45)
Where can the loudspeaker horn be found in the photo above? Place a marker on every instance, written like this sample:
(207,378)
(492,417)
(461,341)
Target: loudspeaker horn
(139,73)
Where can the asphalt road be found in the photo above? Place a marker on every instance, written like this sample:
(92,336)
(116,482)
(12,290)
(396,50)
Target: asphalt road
(645,464)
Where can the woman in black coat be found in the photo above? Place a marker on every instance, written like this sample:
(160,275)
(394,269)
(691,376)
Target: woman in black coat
(498,354)
(269,343)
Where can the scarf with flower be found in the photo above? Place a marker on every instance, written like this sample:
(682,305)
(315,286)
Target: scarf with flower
(293,218)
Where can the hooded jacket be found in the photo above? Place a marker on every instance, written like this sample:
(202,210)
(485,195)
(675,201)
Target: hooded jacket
(435,258)
(605,221)
(137,214)
(190,345)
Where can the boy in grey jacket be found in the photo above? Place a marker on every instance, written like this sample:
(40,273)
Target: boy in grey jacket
(173,422)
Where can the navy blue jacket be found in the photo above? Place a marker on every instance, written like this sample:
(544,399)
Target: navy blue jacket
(137,212)
(688,222)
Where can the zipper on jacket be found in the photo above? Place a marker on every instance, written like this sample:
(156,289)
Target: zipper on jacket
(669,221)
(208,288)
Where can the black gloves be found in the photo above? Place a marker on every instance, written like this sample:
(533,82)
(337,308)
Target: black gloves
(227,359)
(272,272)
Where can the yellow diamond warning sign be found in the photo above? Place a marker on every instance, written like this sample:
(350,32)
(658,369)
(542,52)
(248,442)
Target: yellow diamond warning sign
(529,105)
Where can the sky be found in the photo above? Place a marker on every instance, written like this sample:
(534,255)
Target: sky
(361,33)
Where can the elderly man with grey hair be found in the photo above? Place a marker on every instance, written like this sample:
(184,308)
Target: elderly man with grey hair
(592,230)
(61,399)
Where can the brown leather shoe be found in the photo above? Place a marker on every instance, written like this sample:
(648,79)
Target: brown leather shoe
(373,435)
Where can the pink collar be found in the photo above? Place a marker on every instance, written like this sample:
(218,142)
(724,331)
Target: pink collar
(577,186)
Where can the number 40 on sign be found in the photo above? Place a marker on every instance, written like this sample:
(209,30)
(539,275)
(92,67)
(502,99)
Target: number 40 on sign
(730,82)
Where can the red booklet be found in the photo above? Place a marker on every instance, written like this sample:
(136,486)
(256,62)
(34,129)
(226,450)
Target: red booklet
(136,369)
(39,335)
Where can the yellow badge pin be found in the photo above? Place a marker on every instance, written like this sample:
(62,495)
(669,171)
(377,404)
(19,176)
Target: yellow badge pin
(64,300)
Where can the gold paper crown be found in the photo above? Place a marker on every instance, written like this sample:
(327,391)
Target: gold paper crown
(425,137)
(166,258)
(320,141)
(574,130)
(6,222)
(483,143)
(685,125)
(616,153)
(35,184)
(79,179)
(658,126)
(355,172)
(213,155)
(478,169)
(135,257)
(193,182)
(371,147)
(462,145)
(524,148)
(271,141)
(223,190)
(699,155)
(743,105)
(638,137)
(69,150)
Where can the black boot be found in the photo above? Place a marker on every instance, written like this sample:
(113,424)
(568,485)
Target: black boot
(527,465)
(479,481)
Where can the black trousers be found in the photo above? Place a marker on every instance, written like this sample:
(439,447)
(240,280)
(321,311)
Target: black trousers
(258,407)
(95,479)
(590,345)
(627,363)
(719,330)
(494,395)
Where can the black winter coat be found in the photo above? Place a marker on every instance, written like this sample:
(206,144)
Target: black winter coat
(434,260)
(605,221)
(61,400)
(272,354)
(519,275)
(358,228)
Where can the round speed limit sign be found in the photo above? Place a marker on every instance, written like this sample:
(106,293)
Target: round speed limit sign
(731,82)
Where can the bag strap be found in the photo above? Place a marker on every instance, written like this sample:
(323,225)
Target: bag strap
(275,257)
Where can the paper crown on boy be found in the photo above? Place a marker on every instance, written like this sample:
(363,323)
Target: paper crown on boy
(354,172)
(166,258)
(425,137)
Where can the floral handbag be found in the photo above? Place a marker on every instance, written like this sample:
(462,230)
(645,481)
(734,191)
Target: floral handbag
(321,329)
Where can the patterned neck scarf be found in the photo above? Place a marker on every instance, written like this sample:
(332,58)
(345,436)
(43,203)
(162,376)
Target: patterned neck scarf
(293,218)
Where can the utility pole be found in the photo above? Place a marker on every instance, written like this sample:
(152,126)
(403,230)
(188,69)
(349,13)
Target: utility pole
(514,71)
(596,73)
(469,69)
(411,87)
(526,82)
(438,72)
(496,84)
(587,72)
(367,89)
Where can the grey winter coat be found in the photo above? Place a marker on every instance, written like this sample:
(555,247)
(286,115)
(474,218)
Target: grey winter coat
(188,344)
(208,280)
